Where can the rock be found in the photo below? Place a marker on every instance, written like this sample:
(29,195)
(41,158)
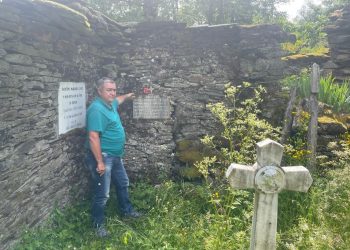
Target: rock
(339,40)
(330,126)
(25,70)
(18,59)
(2,52)
(4,66)
(189,151)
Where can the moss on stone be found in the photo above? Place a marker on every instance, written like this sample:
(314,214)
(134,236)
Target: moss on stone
(190,156)
(183,144)
(344,119)
(331,126)
(190,173)
(65,7)
(306,56)
(189,151)
(327,120)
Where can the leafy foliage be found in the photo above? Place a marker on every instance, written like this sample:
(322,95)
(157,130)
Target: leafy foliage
(241,129)
(295,150)
(192,11)
(308,27)
(309,30)
(332,93)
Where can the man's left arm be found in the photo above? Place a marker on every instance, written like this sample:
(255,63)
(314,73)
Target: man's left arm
(122,98)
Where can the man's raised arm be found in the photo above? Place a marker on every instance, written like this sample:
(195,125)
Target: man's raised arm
(122,98)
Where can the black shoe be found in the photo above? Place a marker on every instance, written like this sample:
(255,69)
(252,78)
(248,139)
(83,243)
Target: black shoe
(133,214)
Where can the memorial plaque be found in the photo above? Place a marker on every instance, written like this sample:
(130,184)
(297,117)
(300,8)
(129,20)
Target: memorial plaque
(151,107)
(71,106)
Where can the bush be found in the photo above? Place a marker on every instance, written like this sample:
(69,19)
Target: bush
(240,128)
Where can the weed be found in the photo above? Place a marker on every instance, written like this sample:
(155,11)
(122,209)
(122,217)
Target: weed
(189,216)
(337,95)
(241,129)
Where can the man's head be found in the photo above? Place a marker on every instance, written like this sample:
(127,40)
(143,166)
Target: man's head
(107,89)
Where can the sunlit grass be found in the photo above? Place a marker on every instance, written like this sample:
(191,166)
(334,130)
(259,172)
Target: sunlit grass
(189,216)
(335,94)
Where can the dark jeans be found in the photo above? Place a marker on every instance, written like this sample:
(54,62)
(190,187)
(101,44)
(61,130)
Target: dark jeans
(114,172)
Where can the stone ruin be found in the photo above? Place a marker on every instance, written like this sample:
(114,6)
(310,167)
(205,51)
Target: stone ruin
(44,43)
(339,43)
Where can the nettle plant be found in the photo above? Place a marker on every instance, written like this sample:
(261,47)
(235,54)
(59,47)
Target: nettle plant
(241,129)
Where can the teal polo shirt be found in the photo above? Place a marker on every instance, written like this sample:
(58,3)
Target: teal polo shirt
(104,118)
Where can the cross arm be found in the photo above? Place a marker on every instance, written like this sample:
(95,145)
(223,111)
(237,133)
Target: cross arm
(240,176)
(297,178)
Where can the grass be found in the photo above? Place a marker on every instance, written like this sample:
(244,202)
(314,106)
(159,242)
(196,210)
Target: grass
(210,215)
(337,95)
(193,216)
(179,216)
(324,217)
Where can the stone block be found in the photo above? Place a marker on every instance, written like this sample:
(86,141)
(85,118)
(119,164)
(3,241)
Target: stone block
(330,126)
(2,52)
(18,59)
(4,66)
(20,48)
(27,70)
(8,15)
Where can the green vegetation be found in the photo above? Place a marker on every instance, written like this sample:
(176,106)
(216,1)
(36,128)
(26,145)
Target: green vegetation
(211,215)
(337,95)
(241,129)
(308,27)
(191,12)
(188,216)
(179,216)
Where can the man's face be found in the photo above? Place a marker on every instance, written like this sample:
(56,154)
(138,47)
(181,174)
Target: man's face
(108,92)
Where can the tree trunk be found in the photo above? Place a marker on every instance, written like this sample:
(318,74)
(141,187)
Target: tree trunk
(175,9)
(150,9)
(221,17)
(210,13)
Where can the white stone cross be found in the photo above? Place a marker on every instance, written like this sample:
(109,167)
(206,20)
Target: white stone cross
(268,179)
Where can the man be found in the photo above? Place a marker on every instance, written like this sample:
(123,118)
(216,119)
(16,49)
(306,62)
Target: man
(105,143)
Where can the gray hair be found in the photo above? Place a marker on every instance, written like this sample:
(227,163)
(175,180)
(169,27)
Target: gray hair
(103,80)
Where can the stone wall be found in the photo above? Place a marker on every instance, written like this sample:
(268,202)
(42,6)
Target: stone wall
(339,43)
(191,66)
(44,43)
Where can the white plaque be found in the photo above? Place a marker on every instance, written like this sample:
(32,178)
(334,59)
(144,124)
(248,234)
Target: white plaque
(71,106)
(151,107)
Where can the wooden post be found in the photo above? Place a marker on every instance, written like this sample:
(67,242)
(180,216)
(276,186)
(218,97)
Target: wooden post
(268,179)
(312,130)
(288,118)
